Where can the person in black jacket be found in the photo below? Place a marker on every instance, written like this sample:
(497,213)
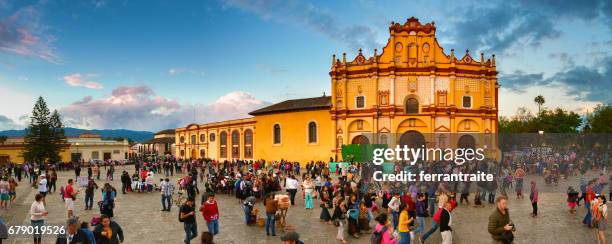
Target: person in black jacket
(108,231)
(126,181)
(446,221)
(73,234)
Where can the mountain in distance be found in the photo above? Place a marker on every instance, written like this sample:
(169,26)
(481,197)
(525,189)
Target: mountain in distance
(137,136)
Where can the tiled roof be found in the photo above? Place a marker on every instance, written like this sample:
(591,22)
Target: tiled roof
(312,103)
(164,140)
(168,131)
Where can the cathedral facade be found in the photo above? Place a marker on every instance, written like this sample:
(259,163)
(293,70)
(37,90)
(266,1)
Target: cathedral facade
(413,93)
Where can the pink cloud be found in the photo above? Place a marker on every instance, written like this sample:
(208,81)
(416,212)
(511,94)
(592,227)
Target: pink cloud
(79,80)
(139,108)
(22,33)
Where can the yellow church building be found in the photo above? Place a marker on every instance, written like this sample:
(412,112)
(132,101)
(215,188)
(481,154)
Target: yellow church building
(411,93)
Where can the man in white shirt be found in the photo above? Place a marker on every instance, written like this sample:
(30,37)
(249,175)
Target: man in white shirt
(291,185)
(166,194)
(394,205)
(42,185)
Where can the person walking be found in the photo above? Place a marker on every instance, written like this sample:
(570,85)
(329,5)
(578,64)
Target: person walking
(5,198)
(403,226)
(38,214)
(42,185)
(12,190)
(52,181)
(394,208)
(291,185)
(533,196)
(499,225)
(89,193)
(210,212)
(108,200)
(166,194)
(108,231)
(383,231)
(69,197)
(271,207)
(187,216)
(600,218)
(446,220)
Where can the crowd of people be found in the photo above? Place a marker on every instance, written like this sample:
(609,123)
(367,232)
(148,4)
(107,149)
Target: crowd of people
(389,212)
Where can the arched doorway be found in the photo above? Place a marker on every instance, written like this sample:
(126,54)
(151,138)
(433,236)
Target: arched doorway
(193,154)
(412,139)
(361,140)
(466,141)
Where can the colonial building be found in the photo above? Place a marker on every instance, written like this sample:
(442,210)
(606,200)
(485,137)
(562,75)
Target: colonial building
(413,93)
(86,147)
(90,146)
(161,144)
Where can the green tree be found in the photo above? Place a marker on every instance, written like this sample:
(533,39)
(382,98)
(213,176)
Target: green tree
(44,138)
(540,101)
(58,137)
(3,139)
(600,121)
(549,121)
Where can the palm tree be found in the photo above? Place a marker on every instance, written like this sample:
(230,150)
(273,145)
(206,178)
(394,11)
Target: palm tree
(539,100)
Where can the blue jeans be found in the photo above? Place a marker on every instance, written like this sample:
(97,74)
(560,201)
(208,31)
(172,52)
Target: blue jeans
(165,200)
(191,231)
(270,223)
(421,225)
(434,227)
(247,214)
(213,227)
(395,219)
(432,206)
(404,238)
(88,201)
(587,218)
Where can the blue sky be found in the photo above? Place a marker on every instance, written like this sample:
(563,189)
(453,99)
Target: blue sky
(152,64)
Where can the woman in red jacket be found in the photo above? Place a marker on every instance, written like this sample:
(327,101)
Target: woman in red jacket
(210,212)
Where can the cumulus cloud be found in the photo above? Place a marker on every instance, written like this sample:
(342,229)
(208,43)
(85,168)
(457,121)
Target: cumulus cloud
(141,109)
(303,13)
(79,80)
(23,33)
(501,25)
(581,82)
(7,123)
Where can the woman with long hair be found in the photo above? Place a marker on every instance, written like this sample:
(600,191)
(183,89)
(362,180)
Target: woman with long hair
(325,205)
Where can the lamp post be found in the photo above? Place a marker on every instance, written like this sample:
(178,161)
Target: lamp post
(77,153)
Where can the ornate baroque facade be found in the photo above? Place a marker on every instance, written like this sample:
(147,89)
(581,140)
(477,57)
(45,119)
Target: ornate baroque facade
(412,91)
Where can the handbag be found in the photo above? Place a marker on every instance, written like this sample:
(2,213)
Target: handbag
(507,237)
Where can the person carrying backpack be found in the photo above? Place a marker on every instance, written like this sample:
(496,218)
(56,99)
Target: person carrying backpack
(383,232)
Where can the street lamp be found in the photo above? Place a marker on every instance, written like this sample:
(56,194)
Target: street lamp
(77,152)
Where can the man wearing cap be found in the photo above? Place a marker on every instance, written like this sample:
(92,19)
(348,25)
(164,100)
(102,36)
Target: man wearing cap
(42,185)
(73,233)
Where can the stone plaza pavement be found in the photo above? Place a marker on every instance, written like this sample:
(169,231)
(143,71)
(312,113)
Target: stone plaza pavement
(142,221)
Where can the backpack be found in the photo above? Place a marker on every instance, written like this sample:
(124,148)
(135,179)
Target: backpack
(377,236)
